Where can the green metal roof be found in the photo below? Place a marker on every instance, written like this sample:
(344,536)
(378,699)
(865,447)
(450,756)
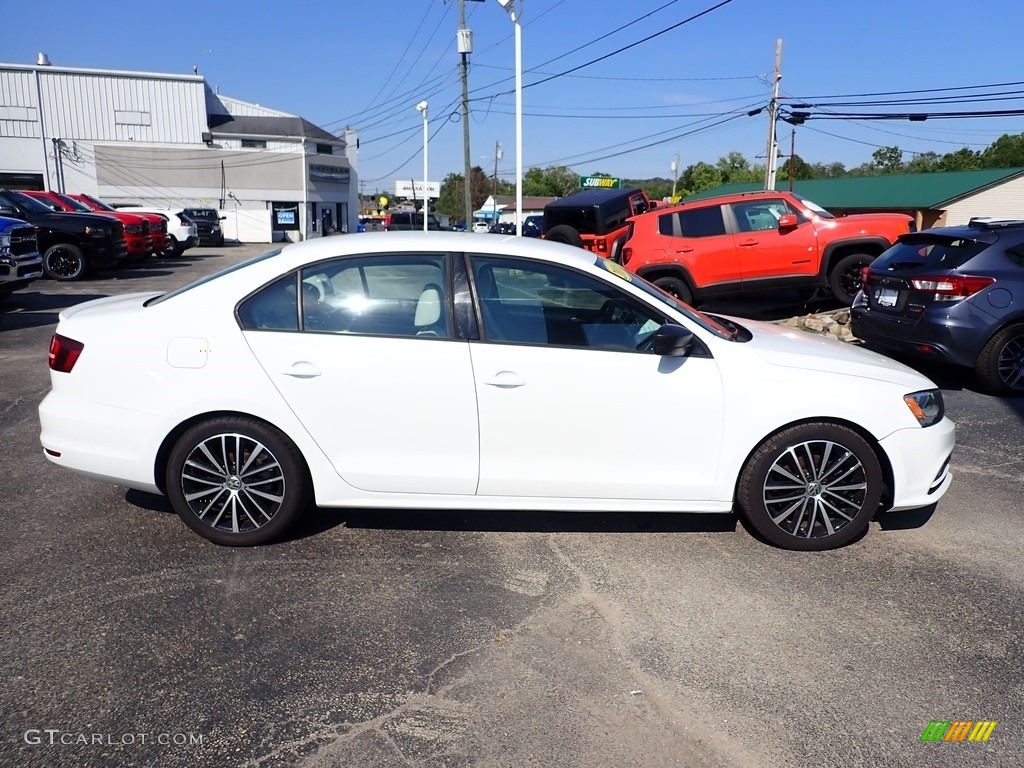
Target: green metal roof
(907,190)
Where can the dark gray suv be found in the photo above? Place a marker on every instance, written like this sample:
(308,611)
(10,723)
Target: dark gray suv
(954,294)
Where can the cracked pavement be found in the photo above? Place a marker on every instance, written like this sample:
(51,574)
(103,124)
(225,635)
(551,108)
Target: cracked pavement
(389,638)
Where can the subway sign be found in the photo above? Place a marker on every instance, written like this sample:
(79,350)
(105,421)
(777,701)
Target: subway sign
(600,182)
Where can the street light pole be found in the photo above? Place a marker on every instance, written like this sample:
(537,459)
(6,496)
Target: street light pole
(422,107)
(509,6)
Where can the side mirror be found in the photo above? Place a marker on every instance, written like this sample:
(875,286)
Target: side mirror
(6,210)
(787,222)
(672,340)
(223,218)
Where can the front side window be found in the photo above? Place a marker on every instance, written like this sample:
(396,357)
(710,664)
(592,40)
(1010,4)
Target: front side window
(378,295)
(524,302)
(760,215)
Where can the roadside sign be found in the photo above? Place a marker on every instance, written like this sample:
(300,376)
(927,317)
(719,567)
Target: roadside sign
(600,182)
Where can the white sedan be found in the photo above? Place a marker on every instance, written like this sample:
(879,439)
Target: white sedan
(443,371)
(481,227)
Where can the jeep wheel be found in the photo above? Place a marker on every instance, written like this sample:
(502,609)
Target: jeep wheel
(64,262)
(675,287)
(563,233)
(845,279)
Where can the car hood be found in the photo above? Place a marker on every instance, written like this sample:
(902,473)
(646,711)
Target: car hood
(793,348)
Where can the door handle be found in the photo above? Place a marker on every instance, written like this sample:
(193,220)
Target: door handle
(303,369)
(683,250)
(505,380)
(748,242)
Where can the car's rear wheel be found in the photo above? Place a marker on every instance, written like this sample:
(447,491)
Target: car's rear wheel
(236,481)
(845,279)
(675,286)
(173,247)
(811,487)
(563,233)
(1000,367)
(65,262)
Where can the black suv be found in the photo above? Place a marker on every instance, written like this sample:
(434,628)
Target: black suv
(402,221)
(208,227)
(954,294)
(72,244)
(594,219)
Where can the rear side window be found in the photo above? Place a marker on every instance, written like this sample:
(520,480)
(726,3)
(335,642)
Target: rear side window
(930,252)
(695,222)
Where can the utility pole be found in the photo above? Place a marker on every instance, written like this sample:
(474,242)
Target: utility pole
(465,40)
(675,176)
(494,197)
(773,114)
(792,154)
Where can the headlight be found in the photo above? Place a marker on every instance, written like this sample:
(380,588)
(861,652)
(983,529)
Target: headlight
(5,242)
(97,232)
(926,406)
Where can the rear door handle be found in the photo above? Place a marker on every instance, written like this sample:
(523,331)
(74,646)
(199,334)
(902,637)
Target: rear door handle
(303,369)
(683,250)
(505,380)
(748,242)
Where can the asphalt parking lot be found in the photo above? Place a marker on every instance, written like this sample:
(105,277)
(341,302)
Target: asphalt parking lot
(373,638)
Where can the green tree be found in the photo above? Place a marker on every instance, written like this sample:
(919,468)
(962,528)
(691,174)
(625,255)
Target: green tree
(452,198)
(964,159)
(1005,152)
(701,176)
(887,159)
(925,162)
(801,168)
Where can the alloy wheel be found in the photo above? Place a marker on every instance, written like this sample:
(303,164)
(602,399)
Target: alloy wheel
(63,263)
(815,489)
(233,483)
(1011,363)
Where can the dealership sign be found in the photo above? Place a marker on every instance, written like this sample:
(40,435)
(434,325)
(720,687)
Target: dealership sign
(600,182)
(416,189)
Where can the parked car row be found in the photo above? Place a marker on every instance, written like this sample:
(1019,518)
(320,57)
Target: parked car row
(74,235)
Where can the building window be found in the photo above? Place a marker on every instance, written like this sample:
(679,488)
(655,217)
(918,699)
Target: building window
(131,117)
(324,149)
(254,144)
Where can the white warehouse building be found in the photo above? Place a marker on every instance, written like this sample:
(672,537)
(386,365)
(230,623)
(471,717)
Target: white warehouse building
(168,140)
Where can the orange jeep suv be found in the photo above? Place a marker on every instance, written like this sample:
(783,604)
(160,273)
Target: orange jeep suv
(756,241)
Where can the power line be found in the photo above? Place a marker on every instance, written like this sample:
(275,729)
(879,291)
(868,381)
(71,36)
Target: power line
(641,78)
(903,93)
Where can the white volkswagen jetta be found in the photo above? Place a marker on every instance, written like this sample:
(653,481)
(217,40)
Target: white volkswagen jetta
(440,370)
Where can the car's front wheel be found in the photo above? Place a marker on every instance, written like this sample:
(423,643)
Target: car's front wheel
(173,247)
(65,262)
(236,481)
(846,279)
(811,487)
(1000,365)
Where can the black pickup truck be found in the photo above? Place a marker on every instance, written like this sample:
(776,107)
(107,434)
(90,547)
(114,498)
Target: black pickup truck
(20,262)
(72,244)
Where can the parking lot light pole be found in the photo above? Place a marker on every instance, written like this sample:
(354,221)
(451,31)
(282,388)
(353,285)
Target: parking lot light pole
(422,107)
(509,6)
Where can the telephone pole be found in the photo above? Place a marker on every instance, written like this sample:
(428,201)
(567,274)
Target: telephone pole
(792,155)
(465,40)
(771,161)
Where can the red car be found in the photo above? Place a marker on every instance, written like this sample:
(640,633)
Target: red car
(157,223)
(136,228)
(756,241)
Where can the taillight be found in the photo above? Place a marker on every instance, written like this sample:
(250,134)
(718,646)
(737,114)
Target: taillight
(64,353)
(865,274)
(602,245)
(627,254)
(951,287)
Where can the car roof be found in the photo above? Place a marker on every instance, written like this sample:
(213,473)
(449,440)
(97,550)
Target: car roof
(370,243)
(591,197)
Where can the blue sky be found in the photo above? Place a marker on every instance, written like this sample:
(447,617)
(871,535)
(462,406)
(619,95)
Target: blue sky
(367,64)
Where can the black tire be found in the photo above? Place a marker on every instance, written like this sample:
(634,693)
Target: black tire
(1000,366)
(173,247)
(836,467)
(675,287)
(563,233)
(845,279)
(65,262)
(245,451)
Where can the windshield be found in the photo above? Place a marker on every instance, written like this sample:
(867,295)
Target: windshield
(209,278)
(28,203)
(201,213)
(811,205)
(656,293)
(99,204)
(929,252)
(73,204)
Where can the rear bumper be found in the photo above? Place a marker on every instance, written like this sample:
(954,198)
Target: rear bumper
(124,456)
(920,460)
(938,335)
